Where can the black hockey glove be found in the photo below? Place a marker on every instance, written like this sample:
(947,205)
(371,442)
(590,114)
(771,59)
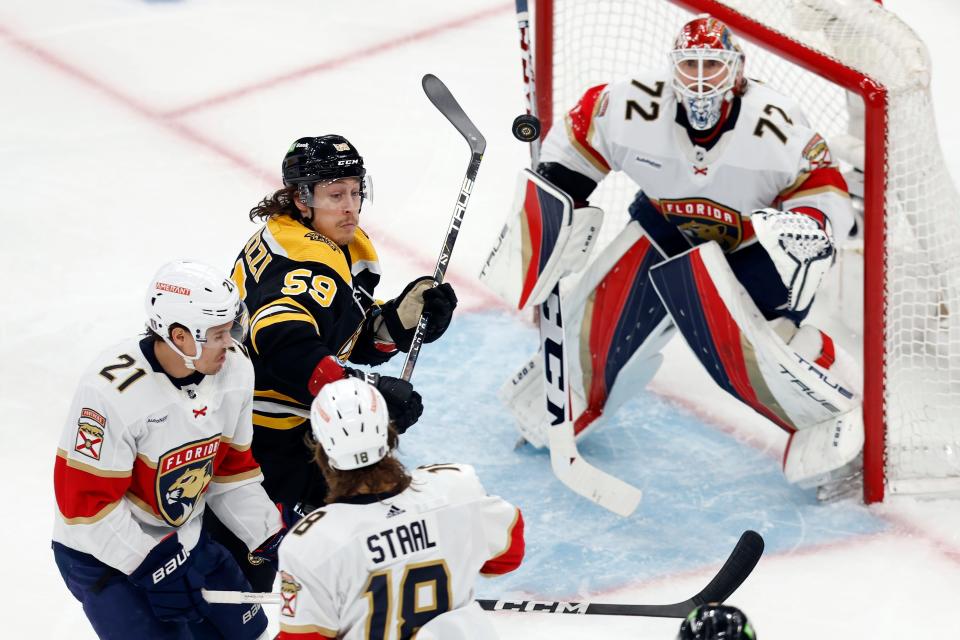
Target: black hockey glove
(171,583)
(404,405)
(268,550)
(401,314)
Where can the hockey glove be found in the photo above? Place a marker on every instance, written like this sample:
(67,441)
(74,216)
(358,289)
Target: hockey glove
(170,582)
(268,550)
(400,315)
(404,405)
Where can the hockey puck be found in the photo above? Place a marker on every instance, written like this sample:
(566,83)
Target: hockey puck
(526,128)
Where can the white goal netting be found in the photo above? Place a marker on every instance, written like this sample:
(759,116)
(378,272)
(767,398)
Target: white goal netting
(597,41)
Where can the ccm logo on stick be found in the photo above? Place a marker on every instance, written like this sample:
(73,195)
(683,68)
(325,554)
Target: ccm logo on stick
(534,605)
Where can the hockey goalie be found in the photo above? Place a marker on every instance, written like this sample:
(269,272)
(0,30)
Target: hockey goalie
(730,235)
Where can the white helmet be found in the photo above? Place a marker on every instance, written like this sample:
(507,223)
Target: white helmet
(197,297)
(349,420)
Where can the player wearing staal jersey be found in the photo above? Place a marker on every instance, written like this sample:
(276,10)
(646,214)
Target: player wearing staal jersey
(159,430)
(729,238)
(393,554)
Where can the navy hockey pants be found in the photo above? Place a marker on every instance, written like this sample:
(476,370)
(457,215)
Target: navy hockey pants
(752,265)
(119,610)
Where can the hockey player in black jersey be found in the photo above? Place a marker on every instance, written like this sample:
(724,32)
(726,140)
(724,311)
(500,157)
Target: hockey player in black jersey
(308,277)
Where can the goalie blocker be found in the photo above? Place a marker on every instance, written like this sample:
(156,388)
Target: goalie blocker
(540,243)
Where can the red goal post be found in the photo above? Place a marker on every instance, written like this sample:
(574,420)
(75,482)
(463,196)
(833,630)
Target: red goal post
(821,52)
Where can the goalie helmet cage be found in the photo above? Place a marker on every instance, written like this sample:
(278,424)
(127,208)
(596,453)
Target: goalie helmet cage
(824,53)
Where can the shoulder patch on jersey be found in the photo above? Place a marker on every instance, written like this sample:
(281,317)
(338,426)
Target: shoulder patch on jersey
(289,588)
(182,476)
(817,153)
(90,433)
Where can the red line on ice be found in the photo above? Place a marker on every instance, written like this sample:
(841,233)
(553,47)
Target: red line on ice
(341,60)
(413,253)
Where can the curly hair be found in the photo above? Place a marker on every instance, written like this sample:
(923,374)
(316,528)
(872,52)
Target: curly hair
(388,472)
(281,203)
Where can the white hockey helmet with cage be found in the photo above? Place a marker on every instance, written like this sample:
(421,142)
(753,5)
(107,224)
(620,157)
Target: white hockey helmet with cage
(196,297)
(707,70)
(349,419)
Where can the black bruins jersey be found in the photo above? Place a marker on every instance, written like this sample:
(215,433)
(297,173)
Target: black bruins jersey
(308,298)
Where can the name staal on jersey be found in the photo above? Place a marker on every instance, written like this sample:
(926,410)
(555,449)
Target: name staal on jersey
(386,568)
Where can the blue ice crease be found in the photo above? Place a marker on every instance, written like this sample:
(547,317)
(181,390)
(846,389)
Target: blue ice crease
(701,487)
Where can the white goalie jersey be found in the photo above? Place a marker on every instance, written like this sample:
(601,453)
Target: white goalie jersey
(766,155)
(383,567)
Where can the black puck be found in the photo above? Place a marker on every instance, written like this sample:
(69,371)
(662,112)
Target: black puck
(526,128)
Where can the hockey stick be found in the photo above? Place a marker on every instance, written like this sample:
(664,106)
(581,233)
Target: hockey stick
(577,474)
(444,101)
(734,571)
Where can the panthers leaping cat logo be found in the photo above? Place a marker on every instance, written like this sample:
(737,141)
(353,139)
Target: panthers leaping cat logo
(182,477)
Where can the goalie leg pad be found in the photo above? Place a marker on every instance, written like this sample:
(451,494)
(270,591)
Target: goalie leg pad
(743,353)
(543,240)
(613,332)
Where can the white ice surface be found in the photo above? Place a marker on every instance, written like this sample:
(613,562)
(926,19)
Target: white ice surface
(116,155)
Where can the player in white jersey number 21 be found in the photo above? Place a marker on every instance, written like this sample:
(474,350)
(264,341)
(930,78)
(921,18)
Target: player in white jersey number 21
(392,554)
(729,238)
(159,430)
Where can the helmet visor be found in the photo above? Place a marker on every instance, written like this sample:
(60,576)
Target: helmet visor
(341,193)
(229,333)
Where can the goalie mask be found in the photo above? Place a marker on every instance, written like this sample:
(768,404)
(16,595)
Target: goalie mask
(707,70)
(323,160)
(349,419)
(196,297)
(716,622)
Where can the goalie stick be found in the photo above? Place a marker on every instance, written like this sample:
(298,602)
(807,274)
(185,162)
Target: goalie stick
(577,474)
(444,101)
(734,571)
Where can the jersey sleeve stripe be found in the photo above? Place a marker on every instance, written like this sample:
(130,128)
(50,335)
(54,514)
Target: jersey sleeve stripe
(98,516)
(277,318)
(237,477)
(233,465)
(86,468)
(511,557)
(825,179)
(305,632)
(580,129)
(82,496)
(273,422)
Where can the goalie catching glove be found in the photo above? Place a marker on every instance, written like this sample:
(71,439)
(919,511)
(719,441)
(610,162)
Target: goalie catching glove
(399,317)
(800,243)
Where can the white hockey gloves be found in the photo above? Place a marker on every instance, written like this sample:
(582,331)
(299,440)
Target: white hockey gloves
(801,247)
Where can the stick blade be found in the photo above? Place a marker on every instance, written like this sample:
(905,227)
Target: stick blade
(735,570)
(446,104)
(610,492)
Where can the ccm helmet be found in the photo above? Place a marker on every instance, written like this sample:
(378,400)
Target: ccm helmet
(707,70)
(323,159)
(197,297)
(716,622)
(349,419)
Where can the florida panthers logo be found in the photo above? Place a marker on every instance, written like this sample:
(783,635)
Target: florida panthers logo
(183,475)
(702,220)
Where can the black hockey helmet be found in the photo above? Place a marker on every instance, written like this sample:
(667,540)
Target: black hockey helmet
(716,622)
(329,157)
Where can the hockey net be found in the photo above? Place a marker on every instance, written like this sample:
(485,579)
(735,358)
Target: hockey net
(862,78)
